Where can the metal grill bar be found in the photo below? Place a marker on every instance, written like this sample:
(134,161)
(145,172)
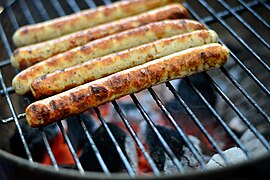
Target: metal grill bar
(77,163)
(165,145)
(192,148)
(211,10)
(241,116)
(260,18)
(12,110)
(215,16)
(244,92)
(197,122)
(26,12)
(225,13)
(251,127)
(45,140)
(116,145)
(41,9)
(5,41)
(249,73)
(71,149)
(4,63)
(265,4)
(220,120)
(229,8)
(136,139)
(106,2)
(10,90)
(58,7)
(94,147)
(73,5)
(90,4)
(48,148)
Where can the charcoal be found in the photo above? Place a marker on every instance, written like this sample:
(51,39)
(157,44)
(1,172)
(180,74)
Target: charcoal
(108,151)
(156,149)
(252,144)
(234,156)
(33,139)
(76,132)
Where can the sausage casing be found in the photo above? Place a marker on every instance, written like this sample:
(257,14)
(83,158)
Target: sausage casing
(57,27)
(29,55)
(95,93)
(103,46)
(61,80)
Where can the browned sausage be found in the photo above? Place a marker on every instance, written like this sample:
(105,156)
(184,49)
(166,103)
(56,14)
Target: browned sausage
(61,80)
(103,46)
(95,93)
(84,19)
(27,56)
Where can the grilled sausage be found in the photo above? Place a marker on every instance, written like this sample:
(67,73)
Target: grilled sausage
(27,56)
(61,80)
(87,18)
(95,93)
(103,46)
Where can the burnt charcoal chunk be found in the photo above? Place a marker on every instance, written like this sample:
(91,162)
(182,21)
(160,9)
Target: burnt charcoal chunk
(156,149)
(75,131)
(107,150)
(33,139)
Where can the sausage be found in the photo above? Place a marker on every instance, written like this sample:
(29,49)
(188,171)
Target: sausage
(27,56)
(61,80)
(57,27)
(98,92)
(101,47)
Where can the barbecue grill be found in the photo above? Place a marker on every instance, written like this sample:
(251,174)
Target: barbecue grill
(241,88)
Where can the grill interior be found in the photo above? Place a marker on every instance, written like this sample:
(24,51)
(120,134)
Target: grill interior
(241,86)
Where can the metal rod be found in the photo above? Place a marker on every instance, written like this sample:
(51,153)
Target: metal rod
(5,41)
(197,122)
(244,92)
(12,110)
(70,147)
(260,18)
(223,23)
(48,148)
(219,119)
(180,131)
(74,6)
(241,116)
(41,9)
(58,7)
(136,139)
(10,90)
(106,2)
(265,4)
(4,63)
(229,8)
(90,4)
(12,17)
(225,13)
(26,12)
(164,144)
(93,146)
(11,119)
(239,62)
(116,145)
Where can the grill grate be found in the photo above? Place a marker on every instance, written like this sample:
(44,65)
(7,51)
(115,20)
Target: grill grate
(215,18)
